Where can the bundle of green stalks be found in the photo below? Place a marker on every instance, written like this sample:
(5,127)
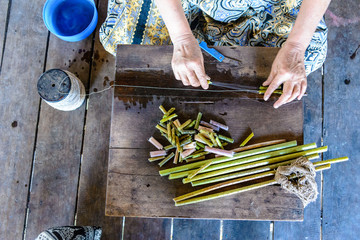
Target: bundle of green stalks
(246,164)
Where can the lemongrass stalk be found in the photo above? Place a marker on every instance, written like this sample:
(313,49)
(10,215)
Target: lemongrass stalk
(212,138)
(220,125)
(202,128)
(242,164)
(163,110)
(232,192)
(176,158)
(156,144)
(186,141)
(169,112)
(177,123)
(206,124)
(161,129)
(200,145)
(189,146)
(188,131)
(177,143)
(168,157)
(157,153)
(202,138)
(187,152)
(219,142)
(239,155)
(190,125)
(168,128)
(153,159)
(275,92)
(168,147)
(265,88)
(195,172)
(184,124)
(219,151)
(226,193)
(251,160)
(227,139)
(247,139)
(334,160)
(236,181)
(198,119)
(257,145)
(169,118)
(247,172)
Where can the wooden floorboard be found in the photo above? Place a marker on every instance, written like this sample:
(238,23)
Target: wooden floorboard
(147,229)
(246,230)
(5,4)
(92,185)
(310,227)
(195,229)
(58,146)
(341,201)
(23,63)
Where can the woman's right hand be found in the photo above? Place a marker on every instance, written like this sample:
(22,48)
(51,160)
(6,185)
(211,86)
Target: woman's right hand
(188,62)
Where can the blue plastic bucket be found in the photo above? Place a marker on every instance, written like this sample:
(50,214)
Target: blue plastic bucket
(70,20)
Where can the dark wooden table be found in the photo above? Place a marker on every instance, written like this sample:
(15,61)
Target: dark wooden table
(134,185)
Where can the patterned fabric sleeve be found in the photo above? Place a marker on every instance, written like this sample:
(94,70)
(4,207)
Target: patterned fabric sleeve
(218,22)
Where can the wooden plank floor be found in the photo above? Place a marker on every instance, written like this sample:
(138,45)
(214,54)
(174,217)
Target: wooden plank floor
(54,163)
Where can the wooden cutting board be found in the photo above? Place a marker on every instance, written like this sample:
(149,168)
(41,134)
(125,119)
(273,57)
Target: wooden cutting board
(135,187)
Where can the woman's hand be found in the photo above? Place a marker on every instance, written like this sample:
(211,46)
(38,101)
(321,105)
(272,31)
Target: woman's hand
(188,62)
(288,68)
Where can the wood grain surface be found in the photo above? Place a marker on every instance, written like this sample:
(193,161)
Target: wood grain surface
(5,4)
(23,63)
(92,181)
(341,199)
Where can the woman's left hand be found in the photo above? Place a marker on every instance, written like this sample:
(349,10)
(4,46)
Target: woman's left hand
(288,68)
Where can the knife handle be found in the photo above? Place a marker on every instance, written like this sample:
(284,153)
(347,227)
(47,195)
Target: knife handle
(218,56)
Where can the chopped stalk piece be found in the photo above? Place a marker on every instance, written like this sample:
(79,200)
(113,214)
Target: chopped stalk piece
(200,154)
(194,173)
(186,153)
(183,137)
(200,145)
(173,136)
(190,146)
(161,129)
(198,119)
(212,138)
(168,127)
(188,131)
(162,109)
(169,118)
(185,141)
(190,125)
(247,139)
(227,139)
(220,125)
(275,92)
(157,153)
(205,129)
(206,124)
(166,159)
(169,112)
(176,158)
(219,151)
(219,142)
(154,142)
(184,124)
(205,140)
(177,123)
(168,147)
(177,144)
(163,125)
(156,158)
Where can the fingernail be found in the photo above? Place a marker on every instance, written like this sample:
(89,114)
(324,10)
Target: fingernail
(266,98)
